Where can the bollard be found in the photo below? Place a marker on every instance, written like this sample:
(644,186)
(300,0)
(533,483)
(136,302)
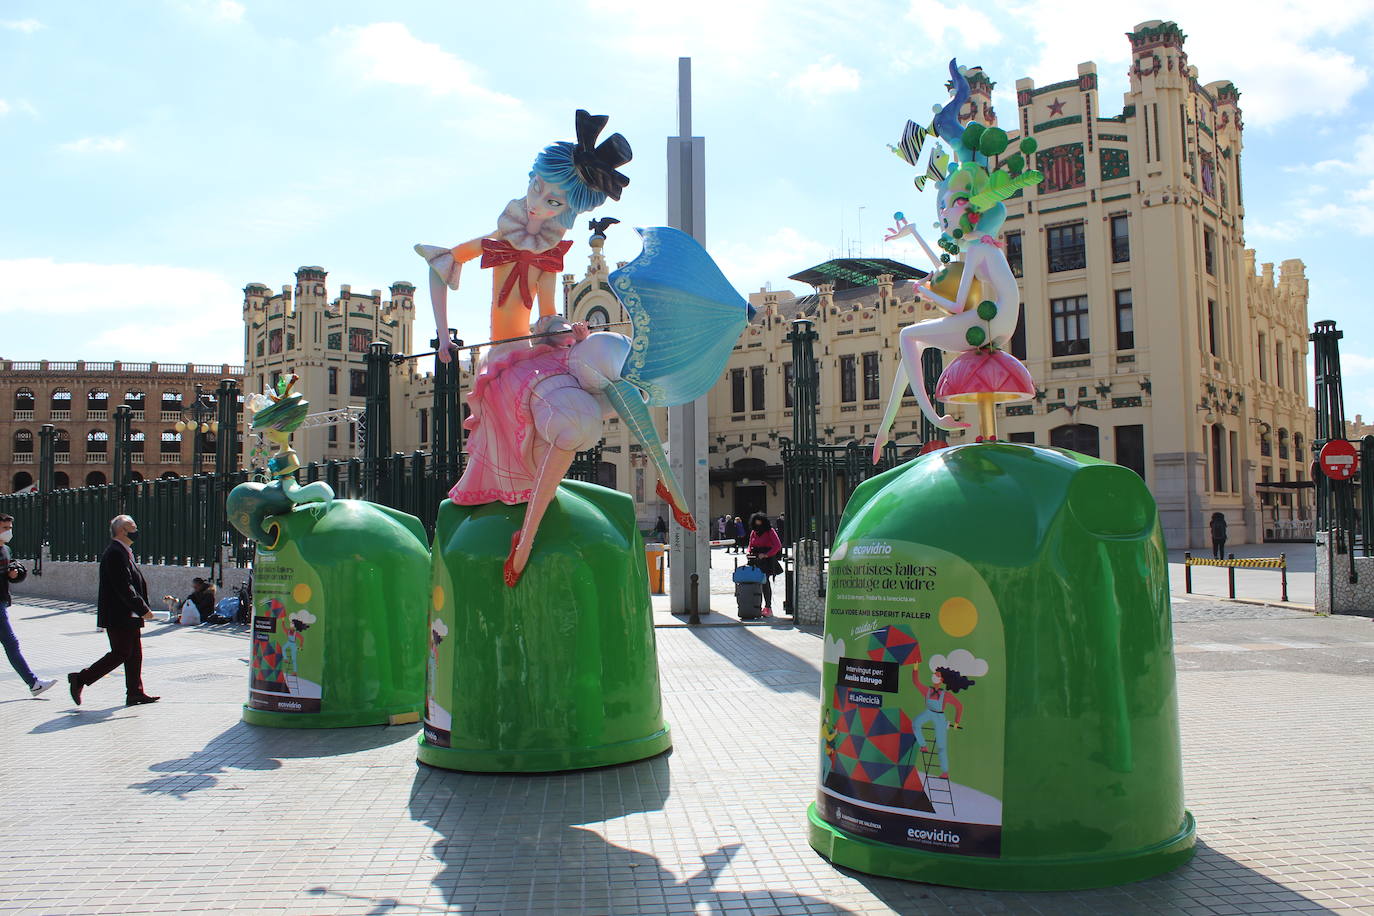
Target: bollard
(1283,568)
(1187,574)
(1231,576)
(696,616)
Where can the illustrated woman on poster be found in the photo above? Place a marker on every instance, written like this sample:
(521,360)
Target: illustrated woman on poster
(944,683)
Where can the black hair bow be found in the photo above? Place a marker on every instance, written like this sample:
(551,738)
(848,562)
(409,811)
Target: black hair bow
(596,165)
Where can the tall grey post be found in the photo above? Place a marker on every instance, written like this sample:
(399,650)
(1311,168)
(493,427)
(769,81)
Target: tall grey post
(691,552)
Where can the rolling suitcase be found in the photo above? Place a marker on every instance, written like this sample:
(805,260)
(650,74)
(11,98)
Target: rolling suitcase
(749,592)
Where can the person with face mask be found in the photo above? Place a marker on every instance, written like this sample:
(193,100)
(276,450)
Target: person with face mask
(121,609)
(11,571)
(764,548)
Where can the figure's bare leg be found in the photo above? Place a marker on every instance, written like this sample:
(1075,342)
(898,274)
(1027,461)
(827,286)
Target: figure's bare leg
(894,403)
(555,464)
(912,346)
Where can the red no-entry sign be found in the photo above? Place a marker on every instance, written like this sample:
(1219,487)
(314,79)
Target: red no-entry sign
(1338,460)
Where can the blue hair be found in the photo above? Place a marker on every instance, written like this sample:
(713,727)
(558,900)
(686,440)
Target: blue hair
(555,166)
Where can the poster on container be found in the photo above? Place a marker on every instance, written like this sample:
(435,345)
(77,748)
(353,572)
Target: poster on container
(288,634)
(913,699)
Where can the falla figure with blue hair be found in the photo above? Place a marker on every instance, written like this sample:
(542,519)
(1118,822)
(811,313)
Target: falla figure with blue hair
(526,249)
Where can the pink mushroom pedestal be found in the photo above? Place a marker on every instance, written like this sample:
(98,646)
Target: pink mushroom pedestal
(985,377)
(558,672)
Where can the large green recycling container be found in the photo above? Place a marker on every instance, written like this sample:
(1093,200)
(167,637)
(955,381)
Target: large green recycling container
(998,697)
(338,617)
(560,671)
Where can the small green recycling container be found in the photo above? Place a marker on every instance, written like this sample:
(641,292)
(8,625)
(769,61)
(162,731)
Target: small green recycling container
(339,618)
(998,692)
(558,672)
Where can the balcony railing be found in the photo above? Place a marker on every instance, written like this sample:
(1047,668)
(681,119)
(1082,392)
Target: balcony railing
(135,457)
(171,416)
(23,457)
(97,414)
(96,457)
(136,413)
(1071,259)
(23,414)
(1121,250)
(62,458)
(170,457)
(56,414)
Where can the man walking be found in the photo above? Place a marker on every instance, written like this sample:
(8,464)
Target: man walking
(11,572)
(121,607)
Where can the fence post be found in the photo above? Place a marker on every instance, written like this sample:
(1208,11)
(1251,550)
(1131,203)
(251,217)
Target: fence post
(1283,568)
(1187,574)
(47,436)
(1231,575)
(123,462)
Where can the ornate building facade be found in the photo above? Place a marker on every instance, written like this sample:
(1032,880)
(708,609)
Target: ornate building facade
(79,399)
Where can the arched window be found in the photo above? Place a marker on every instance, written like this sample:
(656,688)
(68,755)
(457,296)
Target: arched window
(22,481)
(1076,437)
(136,401)
(97,443)
(24,400)
(171,444)
(170,475)
(598,318)
(61,404)
(60,480)
(95,479)
(136,440)
(171,405)
(1283,443)
(23,444)
(135,475)
(97,403)
(62,443)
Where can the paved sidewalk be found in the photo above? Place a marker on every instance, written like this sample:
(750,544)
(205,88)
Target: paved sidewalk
(179,807)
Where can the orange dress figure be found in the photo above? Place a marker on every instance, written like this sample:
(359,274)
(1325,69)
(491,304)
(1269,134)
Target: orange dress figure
(525,251)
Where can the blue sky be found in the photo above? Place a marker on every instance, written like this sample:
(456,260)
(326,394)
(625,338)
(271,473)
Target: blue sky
(158,155)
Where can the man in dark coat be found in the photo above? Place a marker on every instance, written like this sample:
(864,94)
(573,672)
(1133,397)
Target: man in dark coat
(121,608)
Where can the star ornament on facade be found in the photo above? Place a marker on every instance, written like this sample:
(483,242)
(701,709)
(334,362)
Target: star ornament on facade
(1056,107)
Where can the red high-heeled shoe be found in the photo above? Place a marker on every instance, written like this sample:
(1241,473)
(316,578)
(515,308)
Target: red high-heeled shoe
(508,570)
(681,517)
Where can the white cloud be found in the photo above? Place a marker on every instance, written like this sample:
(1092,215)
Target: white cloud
(834,649)
(227,11)
(4,108)
(96,145)
(752,264)
(391,54)
(957,26)
(27,26)
(961,660)
(120,311)
(826,77)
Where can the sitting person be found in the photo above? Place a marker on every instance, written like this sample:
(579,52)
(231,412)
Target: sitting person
(202,598)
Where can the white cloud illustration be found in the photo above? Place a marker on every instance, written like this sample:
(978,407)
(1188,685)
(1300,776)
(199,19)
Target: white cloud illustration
(834,648)
(961,660)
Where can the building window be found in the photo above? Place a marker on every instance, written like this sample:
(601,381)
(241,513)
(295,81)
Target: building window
(1069,321)
(848,389)
(1218,469)
(737,391)
(1263,355)
(1212,347)
(1297,370)
(1121,240)
(756,386)
(598,318)
(1233,439)
(1064,248)
(1283,445)
(1023,438)
(259,350)
(23,443)
(424,425)
(872,379)
(1018,336)
(787,381)
(1266,445)
(61,401)
(333,435)
(1076,437)
(1297,447)
(333,380)
(290,341)
(1125,321)
(1013,249)
(335,341)
(357,383)
(1209,254)
(96,442)
(1130,448)
(1278,364)
(24,399)
(359,339)
(171,443)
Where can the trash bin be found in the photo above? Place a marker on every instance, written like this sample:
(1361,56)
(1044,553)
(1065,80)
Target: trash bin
(654,557)
(998,690)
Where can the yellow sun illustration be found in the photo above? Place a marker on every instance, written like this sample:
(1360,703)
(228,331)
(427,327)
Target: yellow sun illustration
(438,597)
(301,593)
(958,617)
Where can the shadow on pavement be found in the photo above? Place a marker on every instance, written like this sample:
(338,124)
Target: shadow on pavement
(773,667)
(247,747)
(75,718)
(1210,876)
(516,844)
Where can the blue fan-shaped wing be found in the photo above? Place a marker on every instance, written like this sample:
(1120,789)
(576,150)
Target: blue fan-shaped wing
(686,316)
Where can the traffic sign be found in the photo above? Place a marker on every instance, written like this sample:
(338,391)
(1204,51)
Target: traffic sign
(1338,460)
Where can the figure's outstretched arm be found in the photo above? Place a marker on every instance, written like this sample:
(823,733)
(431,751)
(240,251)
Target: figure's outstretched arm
(904,228)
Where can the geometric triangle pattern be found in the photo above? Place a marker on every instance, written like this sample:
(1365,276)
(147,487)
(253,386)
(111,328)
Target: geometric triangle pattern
(875,746)
(268,657)
(894,643)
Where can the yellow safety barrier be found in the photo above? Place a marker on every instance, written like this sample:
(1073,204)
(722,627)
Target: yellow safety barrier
(1231,564)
